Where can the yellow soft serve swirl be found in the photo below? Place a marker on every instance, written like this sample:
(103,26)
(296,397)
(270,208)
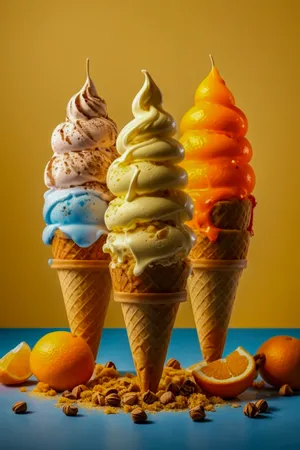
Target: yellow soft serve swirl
(147,217)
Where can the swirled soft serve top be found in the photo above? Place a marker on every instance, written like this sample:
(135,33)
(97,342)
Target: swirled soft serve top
(147,217)
(84,147)
(217,153)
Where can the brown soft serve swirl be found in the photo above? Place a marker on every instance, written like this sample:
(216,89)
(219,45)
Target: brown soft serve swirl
(87,124)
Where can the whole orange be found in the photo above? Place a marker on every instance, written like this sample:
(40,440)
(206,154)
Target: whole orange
(62,360)
(282,364)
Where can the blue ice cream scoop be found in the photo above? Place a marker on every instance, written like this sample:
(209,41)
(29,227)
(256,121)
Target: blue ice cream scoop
(77,212)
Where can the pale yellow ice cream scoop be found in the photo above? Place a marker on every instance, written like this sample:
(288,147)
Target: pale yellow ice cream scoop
(147,218)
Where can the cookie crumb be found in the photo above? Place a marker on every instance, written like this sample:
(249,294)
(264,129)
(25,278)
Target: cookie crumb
(110,410)
(258,384)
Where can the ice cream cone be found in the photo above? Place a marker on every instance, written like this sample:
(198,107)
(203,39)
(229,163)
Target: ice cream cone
(75,203)
(212,290)
(150,303)
(221,182)
(86,289)
(216,270)
(148,241)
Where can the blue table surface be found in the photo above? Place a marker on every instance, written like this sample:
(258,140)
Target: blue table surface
(46,428)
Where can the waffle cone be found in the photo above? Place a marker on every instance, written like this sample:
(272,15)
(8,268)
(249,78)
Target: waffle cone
(232,215)
(216,269)
(86,289)
(154,279)
(86,286)
(149,304)
(212,292)
(65,248)
(230,245)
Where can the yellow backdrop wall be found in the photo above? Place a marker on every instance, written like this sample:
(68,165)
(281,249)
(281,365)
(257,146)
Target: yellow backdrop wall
(256,47)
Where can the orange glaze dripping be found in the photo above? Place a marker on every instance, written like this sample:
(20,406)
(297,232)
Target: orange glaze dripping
(217,154)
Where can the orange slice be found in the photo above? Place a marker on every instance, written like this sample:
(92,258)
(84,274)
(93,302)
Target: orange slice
(15,365)
(226,377)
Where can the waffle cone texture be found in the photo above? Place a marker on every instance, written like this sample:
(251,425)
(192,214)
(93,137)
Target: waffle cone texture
(216,270)
(149,304)
(65,248)
(86,286)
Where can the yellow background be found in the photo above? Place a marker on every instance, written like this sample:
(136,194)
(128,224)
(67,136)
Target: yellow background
(43,49)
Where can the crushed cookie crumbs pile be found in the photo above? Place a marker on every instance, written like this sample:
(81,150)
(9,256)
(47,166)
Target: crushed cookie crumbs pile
(186,394)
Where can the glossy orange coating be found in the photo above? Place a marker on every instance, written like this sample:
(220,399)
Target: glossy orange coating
(217,153)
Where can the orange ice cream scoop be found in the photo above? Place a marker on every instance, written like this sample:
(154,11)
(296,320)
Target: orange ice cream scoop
(217,154)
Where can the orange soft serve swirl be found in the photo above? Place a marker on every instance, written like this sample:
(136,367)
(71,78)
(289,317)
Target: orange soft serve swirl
(217,154)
